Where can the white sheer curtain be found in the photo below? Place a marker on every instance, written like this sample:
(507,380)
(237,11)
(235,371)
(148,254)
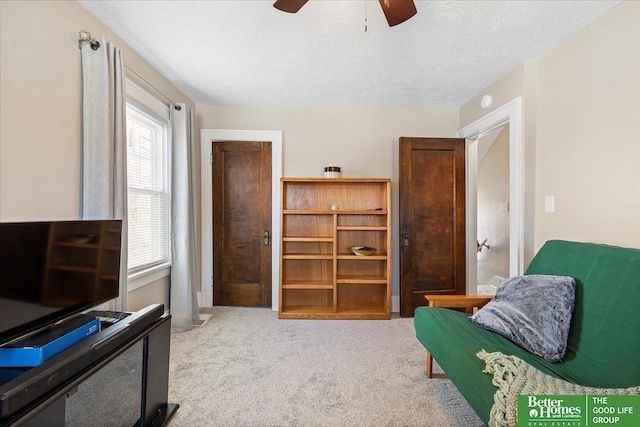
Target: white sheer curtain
(104,156)
(184,278)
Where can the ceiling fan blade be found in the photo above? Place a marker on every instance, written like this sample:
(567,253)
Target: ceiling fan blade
(291,6)
(397,11)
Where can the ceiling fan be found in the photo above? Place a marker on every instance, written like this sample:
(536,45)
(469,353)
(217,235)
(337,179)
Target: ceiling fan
(396,11)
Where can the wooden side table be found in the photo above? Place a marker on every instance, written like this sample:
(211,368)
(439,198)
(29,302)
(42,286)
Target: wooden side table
(468,302)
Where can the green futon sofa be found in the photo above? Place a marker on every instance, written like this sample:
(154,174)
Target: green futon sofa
(603,348)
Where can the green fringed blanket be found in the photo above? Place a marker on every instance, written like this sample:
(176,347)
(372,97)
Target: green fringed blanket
(513,376)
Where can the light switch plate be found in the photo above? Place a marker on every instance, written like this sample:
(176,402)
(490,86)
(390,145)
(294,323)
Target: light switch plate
(549,204)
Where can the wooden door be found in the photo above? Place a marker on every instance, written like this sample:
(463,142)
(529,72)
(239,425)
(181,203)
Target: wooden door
(242,223)
(432,220)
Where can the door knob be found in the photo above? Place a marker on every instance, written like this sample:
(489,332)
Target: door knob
(406,236)
(265,237)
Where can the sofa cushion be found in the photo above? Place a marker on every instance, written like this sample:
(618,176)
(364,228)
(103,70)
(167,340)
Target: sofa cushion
(532,311)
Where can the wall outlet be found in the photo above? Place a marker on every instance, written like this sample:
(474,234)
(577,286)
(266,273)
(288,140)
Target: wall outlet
(549,204)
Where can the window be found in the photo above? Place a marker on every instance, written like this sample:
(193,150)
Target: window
(148,180)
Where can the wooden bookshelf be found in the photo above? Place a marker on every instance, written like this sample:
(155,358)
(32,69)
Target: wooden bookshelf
(320,278)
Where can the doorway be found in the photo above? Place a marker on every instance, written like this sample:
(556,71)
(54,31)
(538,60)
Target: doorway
(493,209)
(241,190)
(511,114)
(207,136)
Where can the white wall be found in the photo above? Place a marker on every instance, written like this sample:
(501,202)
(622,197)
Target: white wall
(363,142)
(582,133)
(588,144)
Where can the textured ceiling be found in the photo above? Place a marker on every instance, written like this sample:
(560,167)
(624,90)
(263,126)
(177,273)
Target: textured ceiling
(247,53)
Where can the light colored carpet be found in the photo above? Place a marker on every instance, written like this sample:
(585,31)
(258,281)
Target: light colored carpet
(245,367)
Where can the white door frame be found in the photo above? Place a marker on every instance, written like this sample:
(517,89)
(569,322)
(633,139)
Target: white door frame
(208,136)
(511,114)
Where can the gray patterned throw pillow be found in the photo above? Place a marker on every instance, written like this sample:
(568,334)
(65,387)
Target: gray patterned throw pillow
(533,311)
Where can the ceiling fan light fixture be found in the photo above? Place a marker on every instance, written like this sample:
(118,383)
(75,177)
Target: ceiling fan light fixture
(397,11)
(291,6)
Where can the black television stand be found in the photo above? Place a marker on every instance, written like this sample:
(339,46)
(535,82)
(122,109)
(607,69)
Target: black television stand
(117,377)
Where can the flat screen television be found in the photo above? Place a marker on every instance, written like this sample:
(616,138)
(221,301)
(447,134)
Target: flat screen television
(52,270)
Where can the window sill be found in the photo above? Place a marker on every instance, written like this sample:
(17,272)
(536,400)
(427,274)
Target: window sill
(144,277)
